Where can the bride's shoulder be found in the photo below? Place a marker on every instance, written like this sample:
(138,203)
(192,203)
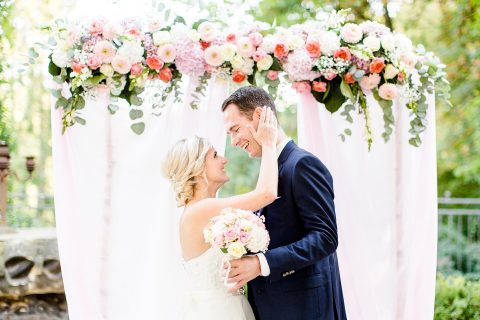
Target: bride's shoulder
(200,209)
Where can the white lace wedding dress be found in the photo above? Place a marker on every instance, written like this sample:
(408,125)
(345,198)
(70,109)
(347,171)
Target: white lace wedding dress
(207,297)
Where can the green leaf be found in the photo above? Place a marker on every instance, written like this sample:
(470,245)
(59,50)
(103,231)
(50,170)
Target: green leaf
(57,93)
(199,22)
(61,102)
(179,19)
(93,81)
(346,91)
(138,127)
(32,53)
(53,69)
(348,132)
(112,108)
(80,103)
(135,100)
(276,65)
(333,98)
(135,114)
(80,120)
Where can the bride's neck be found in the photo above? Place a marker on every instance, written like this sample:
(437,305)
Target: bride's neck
(203,192)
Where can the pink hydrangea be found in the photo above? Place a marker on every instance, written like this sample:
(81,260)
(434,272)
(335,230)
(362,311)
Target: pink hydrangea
(299,66)
(189,59)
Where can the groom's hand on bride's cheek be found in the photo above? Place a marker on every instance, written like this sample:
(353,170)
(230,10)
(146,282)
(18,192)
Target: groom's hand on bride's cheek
(243,270)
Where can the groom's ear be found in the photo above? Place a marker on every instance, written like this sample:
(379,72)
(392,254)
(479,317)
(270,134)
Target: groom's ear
(257,113)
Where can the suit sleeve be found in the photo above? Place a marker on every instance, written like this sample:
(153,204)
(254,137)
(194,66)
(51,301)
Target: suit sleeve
(313,196)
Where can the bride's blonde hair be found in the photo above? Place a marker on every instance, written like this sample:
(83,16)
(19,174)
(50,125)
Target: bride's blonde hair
(183,163)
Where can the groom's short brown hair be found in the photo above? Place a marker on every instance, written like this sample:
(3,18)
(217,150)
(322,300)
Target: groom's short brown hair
(248,98)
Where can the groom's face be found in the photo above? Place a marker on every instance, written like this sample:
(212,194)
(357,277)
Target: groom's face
(237,124)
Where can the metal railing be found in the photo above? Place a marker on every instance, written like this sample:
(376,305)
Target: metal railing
(459,235)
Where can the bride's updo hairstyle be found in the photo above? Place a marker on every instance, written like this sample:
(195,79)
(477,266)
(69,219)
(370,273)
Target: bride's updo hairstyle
(183,164)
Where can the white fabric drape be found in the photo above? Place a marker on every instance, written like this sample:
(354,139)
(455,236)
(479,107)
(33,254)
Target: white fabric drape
(117,222)
(386,210)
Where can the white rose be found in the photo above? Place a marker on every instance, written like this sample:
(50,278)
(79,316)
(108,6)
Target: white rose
(329,42)
(237,62)
(388,42)
(60,58)
(247,67)
(132,51)
(258,241)
(208,31)
(351,33)
(236,249)
(194,35)
(107,70)
(161,37)
(390,72)
(295,42)
(268,43)
(228,51)
(265,63)
(372,42)
(403,43)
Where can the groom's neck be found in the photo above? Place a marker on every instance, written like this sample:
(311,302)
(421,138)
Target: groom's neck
(281,135)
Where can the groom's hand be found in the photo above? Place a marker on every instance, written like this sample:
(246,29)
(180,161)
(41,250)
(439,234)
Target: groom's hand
(243,270)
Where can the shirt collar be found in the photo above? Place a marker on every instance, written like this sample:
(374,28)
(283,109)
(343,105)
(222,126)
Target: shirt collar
(282,145)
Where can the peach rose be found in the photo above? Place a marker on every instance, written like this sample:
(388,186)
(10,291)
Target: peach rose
(231,37)
(165,74)
(154,63)
(377,65)
(349,78)
(342,53)
(77,67)
(313,48)
(319,86)
(280,51)
(302,86)
(238,76)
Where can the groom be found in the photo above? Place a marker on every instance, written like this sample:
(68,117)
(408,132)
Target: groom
(298,277)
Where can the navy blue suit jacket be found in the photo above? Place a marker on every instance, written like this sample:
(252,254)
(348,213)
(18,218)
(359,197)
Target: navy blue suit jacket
(304,281)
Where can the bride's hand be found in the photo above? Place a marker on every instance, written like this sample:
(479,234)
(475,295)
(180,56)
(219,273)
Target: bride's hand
(267,131)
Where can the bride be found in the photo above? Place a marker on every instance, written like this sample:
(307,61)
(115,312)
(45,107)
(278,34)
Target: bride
(196,172)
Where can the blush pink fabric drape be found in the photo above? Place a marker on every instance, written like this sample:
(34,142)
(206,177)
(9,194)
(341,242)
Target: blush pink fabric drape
(386,204)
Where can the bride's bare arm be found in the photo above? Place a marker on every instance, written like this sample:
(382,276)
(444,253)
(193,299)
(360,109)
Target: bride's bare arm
(265,191)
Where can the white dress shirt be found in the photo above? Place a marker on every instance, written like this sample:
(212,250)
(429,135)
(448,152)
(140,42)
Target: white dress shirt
(264,267)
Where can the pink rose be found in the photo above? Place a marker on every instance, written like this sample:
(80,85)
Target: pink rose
(134,32)
(259,55)
(244,237)
(229,234)
(330,75)
(302,86)
(401,76)
(272,75)
(77,67)
(96,28)
(255,38)
(319,86)
(387,91)
(370,82)
(231,37)
(136,70)
(94,62)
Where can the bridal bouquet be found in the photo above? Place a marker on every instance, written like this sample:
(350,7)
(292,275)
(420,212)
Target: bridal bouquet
(237,232)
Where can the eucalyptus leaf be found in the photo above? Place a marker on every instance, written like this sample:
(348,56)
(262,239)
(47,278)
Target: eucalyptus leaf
(80,120)
(135,114)
(138,127)
(346,91)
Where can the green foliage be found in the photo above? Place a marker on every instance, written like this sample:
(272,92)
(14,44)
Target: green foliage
(457,298)
(5,37)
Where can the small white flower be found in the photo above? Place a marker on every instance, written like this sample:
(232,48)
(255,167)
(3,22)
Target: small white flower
(295,42)
(194,35)
(268,43)
(247,67)
(403,43)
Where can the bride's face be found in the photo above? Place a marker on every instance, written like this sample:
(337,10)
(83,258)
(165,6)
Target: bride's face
(215,167)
